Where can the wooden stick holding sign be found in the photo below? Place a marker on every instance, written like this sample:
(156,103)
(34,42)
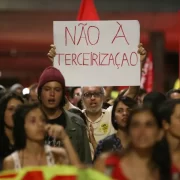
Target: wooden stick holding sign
(98,53)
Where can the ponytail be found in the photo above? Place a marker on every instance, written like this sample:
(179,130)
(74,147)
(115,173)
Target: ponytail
(162,159)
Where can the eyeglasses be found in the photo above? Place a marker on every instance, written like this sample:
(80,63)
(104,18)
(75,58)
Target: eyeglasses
(95,94)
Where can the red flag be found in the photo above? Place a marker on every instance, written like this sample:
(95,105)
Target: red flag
(147,75)
(87,11)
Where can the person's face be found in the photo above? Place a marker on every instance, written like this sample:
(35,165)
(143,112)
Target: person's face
(174,126)
(121,114)
(92,99)
(33,96)
(175,95)
(19,91)
(51,95)
(143,130)
(76,96)
(10,109)
(35,122)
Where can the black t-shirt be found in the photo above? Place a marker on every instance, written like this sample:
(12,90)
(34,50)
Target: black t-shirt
(61,120)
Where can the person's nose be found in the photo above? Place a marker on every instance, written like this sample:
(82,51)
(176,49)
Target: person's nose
(52,93)
(92,97)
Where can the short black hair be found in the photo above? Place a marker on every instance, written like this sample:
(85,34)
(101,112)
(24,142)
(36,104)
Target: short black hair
(125,100)
(19,116)
(170,92)
(167,109)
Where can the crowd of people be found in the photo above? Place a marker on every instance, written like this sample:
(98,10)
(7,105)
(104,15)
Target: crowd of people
(133,137)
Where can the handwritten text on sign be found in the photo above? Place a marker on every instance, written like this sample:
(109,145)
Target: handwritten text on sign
(98,53)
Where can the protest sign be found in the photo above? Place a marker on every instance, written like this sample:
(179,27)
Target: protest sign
(98,53)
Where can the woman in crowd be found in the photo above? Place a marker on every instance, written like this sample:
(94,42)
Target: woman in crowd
(170,115)
(147,157)
(120,112)
(29,133)
(8,104)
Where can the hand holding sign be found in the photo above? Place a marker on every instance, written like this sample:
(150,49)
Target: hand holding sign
(142,52)
(52,53)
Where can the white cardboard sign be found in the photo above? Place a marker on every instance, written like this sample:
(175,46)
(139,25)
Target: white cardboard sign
(98,53)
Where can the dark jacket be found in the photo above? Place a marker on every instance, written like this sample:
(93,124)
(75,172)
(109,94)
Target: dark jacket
(76,130)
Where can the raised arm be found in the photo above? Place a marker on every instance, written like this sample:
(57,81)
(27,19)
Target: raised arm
(133,90)
(52,53)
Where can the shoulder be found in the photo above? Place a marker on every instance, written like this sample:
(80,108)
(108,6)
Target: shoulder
(109,109)
(8,163)
(75,118)
(105,140)
(109,138)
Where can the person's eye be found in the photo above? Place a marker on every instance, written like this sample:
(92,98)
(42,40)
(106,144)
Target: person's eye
(86,95)
(135,125)
(46,89)
(150,124)
(58,89)
(33,121)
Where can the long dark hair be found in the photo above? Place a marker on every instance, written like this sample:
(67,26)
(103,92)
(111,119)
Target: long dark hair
(4,141)
(19,116)
(161,158)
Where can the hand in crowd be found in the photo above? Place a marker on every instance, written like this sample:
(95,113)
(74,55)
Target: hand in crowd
(52,52)
(91,136)
(56,131)
(142,52)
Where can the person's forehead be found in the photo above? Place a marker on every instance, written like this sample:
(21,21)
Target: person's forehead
(175,95)
(121,105)
(13,101)
(77,90)
(52,84)
(91,89)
